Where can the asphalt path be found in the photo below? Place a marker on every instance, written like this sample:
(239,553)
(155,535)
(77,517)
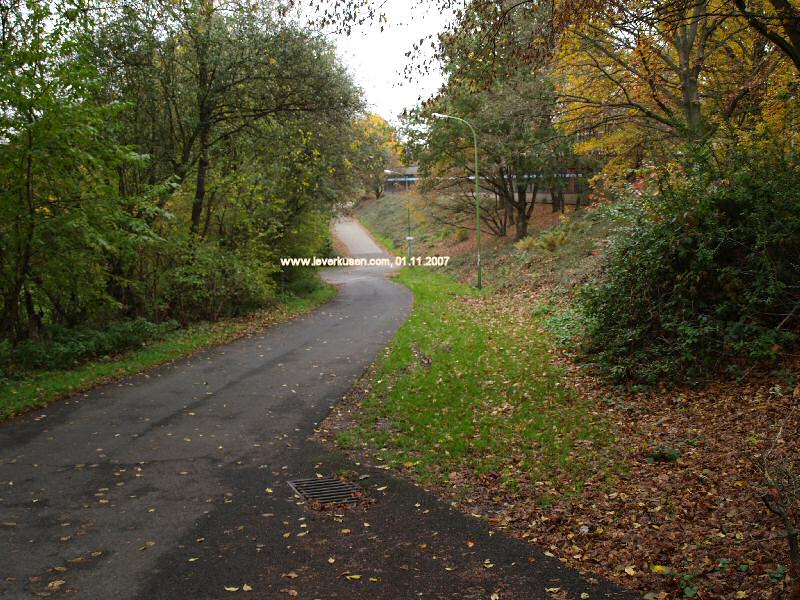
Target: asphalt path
(173,483)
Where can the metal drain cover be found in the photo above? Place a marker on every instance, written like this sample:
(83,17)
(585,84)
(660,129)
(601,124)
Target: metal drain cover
(325,490)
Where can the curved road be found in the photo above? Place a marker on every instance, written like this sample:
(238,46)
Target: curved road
(173,483)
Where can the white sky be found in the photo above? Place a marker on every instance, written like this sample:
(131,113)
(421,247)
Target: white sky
(376,59)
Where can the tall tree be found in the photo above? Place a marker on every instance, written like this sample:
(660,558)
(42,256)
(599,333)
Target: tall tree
(218,70)
(375,150)
(58,168)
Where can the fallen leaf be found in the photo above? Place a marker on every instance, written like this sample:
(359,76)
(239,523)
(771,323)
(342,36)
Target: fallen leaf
(331,560)
(470,544)
(552,590)
(247,588)
(630,571)
(659,569)
(54,586)
(231,588)
(291,575)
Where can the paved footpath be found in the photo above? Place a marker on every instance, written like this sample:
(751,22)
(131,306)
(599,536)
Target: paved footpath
(173,484)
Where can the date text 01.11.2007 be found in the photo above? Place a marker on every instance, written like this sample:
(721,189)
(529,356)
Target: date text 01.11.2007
(422,261)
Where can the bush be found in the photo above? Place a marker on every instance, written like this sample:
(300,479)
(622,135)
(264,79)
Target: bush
(552,239)
(300,282)
(210,282)
(68,347)
(706,278)
(460,235)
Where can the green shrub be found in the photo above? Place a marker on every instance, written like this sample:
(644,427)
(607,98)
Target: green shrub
(300,282)
(554,239)
(210,282)
(68,347)
(706,278)
(527,244)
(663,454)
(566,326)
(551,239)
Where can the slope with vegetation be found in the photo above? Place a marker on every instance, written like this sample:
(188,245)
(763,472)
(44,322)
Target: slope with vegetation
(492,400)
(683,116)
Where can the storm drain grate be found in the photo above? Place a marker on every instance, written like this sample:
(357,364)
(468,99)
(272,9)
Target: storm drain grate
(326,490)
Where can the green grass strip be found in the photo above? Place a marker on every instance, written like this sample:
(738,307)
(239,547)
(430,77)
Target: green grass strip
(41,388)
(468,387)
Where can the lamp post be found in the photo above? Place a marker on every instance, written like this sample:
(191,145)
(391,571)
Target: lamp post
(409,239)
(477,191)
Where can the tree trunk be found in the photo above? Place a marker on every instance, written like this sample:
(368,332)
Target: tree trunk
(691,104)
(200,188)
(35,325)
(204,115)
(12,323)
(522,213)
(209,206)
(554,198)
(686,41)
(532,205)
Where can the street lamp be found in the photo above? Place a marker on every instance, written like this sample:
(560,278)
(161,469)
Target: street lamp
(409,238)
(477,190)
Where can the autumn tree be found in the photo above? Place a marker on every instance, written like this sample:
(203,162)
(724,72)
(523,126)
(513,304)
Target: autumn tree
(515,110)
(375,150)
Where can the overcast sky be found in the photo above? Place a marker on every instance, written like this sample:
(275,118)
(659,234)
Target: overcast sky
(376,59)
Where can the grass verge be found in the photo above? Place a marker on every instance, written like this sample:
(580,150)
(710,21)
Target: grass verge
(40,388)
(467,392)
(684,516)
(384,241)
(387,220)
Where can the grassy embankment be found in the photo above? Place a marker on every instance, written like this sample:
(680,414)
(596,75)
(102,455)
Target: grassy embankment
(468,385)
(38,388)
(550,258)
(468,401)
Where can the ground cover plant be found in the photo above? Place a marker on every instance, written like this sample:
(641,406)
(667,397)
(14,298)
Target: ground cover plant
(679,512)
(466,387)
(705,278)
